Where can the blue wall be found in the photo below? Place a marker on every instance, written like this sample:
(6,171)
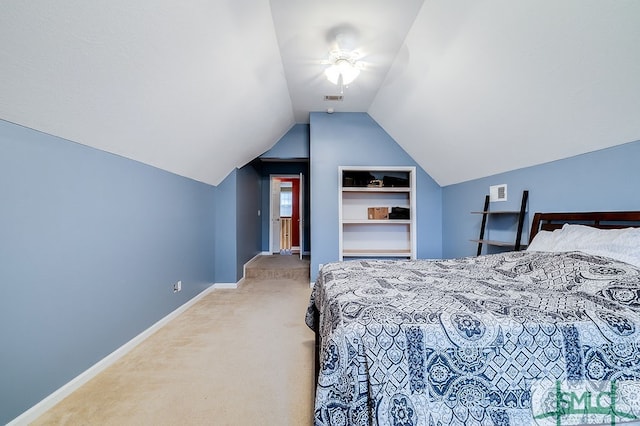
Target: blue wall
(603,180)
(90,247)
(355,139)
(237,225)
(293,145)
(248,201)
(226,243)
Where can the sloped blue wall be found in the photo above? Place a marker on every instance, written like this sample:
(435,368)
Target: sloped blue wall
(90,247)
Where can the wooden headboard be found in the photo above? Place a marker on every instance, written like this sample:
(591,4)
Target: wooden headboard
(602,220)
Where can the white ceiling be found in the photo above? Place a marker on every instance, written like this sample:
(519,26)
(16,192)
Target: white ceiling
(468,87)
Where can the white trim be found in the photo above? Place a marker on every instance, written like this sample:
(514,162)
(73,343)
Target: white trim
(271,207)
(67,389)
(228,285)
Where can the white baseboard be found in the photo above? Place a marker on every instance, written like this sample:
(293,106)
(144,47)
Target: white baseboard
(50,401)
(227,285)
(268,253)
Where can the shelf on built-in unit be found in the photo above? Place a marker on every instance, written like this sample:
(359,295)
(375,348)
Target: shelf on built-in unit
(375,189)
(376,221)
(360,236)
(376,253)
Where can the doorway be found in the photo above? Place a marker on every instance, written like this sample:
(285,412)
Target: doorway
(286,227)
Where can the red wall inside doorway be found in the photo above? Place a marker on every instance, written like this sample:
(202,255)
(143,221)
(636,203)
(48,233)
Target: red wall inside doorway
(295,211)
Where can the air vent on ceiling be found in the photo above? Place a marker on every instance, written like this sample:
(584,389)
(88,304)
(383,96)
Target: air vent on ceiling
(333,97)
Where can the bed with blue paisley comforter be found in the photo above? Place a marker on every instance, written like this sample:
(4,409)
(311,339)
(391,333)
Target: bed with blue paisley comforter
(464,341)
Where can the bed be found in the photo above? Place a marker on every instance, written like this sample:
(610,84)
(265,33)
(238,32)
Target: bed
(485,340)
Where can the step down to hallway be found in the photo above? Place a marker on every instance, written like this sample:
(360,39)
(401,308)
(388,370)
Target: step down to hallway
(278,267)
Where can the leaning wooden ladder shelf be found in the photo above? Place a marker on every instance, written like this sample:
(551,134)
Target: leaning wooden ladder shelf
(485,213)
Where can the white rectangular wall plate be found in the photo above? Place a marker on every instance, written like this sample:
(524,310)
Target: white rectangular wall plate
(498,192)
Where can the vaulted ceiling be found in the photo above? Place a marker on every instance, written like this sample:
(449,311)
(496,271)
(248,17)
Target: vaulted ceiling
(469,88)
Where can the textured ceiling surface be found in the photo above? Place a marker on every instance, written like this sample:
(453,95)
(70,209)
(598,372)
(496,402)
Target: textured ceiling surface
(468,88)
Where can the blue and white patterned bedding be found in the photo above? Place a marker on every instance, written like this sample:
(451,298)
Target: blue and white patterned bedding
(462,341)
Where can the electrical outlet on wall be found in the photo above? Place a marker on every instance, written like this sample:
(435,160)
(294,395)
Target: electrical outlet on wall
(177,287)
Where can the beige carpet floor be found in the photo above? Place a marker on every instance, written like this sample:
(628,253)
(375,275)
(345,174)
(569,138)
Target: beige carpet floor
(237,357)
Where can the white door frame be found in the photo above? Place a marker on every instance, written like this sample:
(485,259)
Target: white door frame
(272,210)
(301,213)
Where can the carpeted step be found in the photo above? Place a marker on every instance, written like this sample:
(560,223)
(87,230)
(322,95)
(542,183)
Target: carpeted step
(278,267)
(274,274)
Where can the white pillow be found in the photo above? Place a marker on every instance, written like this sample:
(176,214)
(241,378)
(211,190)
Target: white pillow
(625,247)
(544,241)
(620,244)
(581,237)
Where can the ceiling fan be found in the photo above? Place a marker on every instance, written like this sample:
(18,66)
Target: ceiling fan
(343,59)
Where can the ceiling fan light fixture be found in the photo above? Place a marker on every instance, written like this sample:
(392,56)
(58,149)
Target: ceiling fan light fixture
(343,69)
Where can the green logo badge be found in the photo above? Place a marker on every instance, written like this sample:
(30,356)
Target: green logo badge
(586,403)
